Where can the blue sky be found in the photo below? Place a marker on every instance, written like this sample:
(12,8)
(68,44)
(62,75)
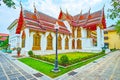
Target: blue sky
(52,8)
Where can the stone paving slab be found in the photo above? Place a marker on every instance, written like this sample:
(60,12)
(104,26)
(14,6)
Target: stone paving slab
(106,68)
(101,69)
(10,71)
(20,70)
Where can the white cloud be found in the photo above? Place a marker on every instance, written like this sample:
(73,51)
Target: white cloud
(50,7)
(7,16)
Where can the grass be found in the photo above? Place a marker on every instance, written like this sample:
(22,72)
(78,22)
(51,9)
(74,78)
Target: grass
(47,68)
(71,55)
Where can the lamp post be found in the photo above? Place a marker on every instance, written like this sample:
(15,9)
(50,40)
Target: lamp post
(56,69)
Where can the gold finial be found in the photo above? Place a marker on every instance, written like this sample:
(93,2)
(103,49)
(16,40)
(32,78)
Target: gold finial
(104,6)
(34,8)
(20,3)
(81,12)
(66,11)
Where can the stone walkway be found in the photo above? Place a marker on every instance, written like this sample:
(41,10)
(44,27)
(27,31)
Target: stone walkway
(106,68)
(10,71)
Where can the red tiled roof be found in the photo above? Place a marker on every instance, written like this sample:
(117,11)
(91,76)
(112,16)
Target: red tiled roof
(3,34)
(60,14)
(42,22)
(88,20)
(3,38)
(47,18)
(20,23)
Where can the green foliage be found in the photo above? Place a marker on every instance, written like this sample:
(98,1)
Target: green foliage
(113,49)
(117,27)
(9,3)
(115,13)
(30,53)
(4,44)
(115,10)
(64,60)
(18,49)
(46,68)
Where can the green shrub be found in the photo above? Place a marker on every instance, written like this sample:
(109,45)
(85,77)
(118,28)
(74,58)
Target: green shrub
(30,53)
(64,60)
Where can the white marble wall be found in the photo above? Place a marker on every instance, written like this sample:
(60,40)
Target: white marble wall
(14,38)
(87,44)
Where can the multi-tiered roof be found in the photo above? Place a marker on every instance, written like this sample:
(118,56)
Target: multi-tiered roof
(41,22)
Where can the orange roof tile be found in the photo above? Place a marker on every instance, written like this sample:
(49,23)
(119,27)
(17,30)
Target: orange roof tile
(3,34)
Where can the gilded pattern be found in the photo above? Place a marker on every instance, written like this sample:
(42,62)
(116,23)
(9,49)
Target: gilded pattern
(23,39)
(66,43)
(49,42)
(59,42)
(78,44)
(79,32)
(73,44)
(36,42)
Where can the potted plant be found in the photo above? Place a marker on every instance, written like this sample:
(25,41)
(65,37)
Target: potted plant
(18,51)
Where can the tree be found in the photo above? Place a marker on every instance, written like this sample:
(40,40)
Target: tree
(8,3)
(4,44)
(115,13)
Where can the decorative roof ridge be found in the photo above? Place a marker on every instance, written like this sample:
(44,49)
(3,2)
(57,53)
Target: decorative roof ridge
(12,24)
(28,11)
(46,15)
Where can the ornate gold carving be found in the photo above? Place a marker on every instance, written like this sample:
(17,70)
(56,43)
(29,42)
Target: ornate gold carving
(79,32)
(66,43)
(36,42)
(78,44)
(23,39)
(88,33)
(73,44)
(73,32)
(49,42)
(59,42)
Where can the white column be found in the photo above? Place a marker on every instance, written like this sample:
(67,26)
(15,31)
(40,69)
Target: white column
(18,40)
(63,43)
(75,43)
(75,33)
(102,36)
(31,40)
(27,40)
(70,43)
(54,40)
(44,41)
(98,37)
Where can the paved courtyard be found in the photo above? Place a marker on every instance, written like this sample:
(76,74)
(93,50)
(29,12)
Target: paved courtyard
(106,68)
(10,71)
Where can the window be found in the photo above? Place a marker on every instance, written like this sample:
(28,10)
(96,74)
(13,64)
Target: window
(23,39)
(106,45)
(66,43)
(79,32)
(88,33)
(49,42)
(105,32)
(78,44)
(73,32)
(106,37)
(59,42)
(36,41)
(73,44)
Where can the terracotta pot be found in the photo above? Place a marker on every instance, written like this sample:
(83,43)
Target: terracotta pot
(18,54)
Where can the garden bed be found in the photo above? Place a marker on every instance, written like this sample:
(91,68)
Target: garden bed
(67,59)
(47,68)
